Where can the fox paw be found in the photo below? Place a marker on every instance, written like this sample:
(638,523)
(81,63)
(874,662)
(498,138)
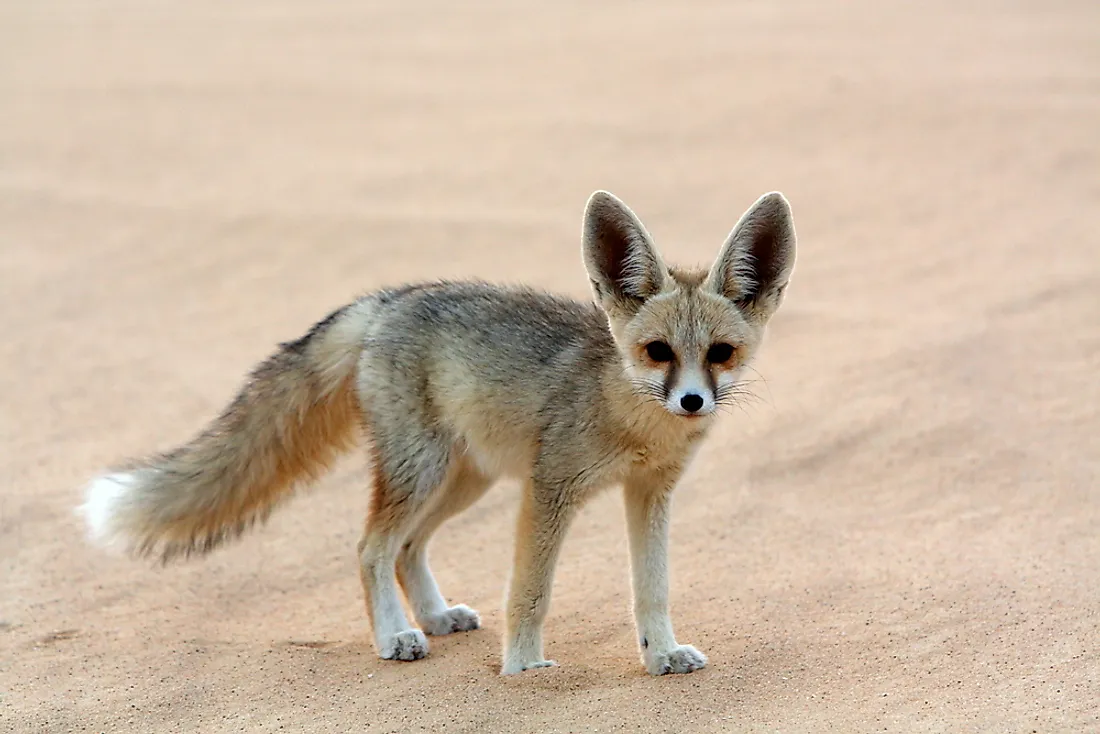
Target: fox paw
(406,645)
(680,659)
(513,668)
(458,618)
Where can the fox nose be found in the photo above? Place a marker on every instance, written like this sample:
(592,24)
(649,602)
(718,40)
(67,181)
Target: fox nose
(691,402)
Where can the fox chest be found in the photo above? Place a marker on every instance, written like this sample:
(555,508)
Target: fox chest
(663,453)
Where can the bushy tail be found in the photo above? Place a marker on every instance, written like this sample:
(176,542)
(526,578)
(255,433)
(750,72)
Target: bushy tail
(296,413)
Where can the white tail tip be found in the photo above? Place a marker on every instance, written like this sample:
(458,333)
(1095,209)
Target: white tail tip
(103,500)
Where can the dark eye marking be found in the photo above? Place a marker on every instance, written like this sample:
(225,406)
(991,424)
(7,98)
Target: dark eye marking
(660,352)
(719,353)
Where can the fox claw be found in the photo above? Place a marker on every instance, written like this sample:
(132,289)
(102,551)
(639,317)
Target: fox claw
(520,667)
(458,618)
(681,659)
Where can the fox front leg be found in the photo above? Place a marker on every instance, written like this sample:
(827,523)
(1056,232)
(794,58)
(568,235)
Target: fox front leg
(647,498)
(544,517)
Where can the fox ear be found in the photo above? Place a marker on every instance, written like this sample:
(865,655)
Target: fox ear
(756,262)
(622,262)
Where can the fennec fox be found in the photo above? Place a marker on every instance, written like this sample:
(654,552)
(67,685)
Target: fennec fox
(457,384)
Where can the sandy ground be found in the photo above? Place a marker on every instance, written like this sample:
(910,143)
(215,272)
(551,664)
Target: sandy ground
(902,534)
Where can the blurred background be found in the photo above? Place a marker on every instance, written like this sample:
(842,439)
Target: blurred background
(900,533)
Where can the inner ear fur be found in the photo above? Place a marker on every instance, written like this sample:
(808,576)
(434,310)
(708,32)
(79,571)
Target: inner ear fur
(758,257)
(622,262)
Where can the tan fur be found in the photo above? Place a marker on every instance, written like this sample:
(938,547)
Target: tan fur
(458,384)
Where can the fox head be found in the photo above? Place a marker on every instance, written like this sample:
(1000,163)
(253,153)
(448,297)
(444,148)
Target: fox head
(686,335)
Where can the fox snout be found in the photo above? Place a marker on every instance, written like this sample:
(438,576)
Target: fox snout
(691,404)
(689,392)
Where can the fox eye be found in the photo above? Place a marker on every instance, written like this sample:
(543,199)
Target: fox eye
(659,352)
(719,353)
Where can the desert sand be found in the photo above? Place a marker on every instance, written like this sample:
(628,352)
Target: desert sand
(902,533)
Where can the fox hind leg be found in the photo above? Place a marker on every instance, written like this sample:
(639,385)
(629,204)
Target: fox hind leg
(464,485)
(397,502)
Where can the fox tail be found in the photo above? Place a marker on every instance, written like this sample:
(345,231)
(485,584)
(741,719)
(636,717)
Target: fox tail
(297,412)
